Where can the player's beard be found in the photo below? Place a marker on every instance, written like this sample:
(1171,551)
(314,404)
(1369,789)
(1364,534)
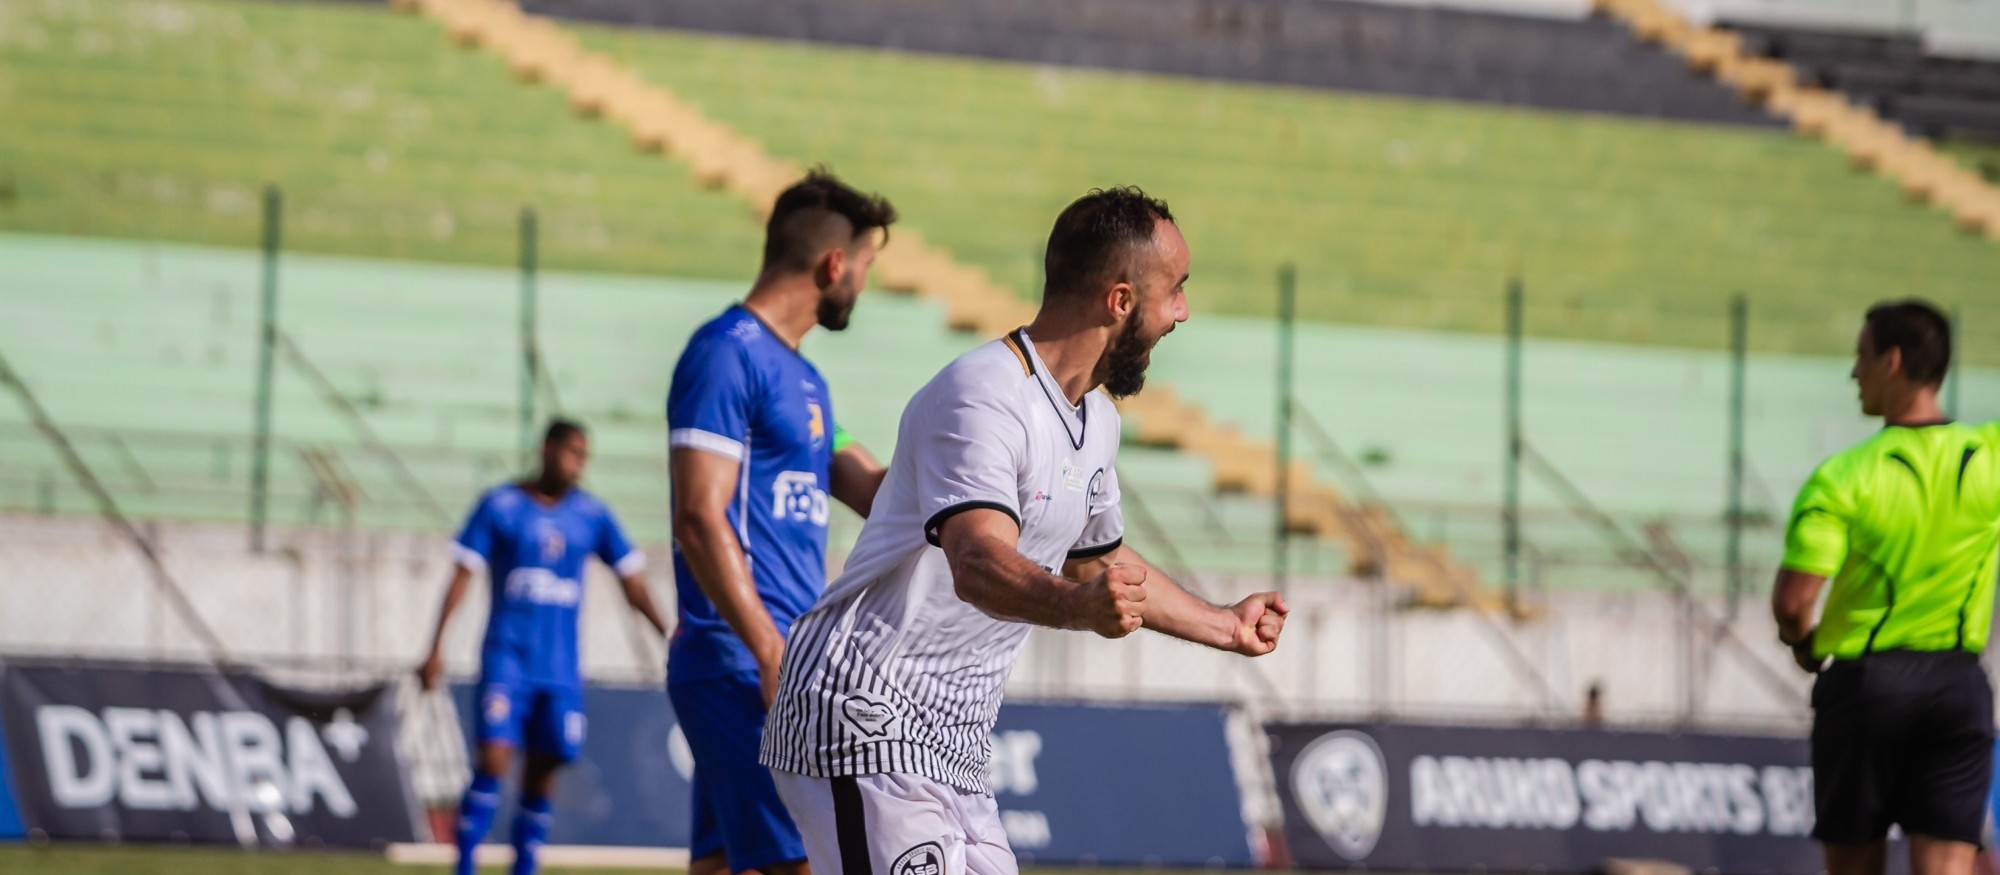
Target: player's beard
(1125,362)
(836,304)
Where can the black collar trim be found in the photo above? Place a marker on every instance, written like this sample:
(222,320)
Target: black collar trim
(1018,338)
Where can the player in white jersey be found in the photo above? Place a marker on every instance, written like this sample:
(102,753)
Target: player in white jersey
(1000,513)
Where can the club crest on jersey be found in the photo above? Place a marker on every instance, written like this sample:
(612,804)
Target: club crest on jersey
(924,859)
(816,423)
(870,718)
(1096,485)
(552,542)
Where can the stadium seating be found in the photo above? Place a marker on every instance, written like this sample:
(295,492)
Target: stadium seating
(1399,212)
(429,357)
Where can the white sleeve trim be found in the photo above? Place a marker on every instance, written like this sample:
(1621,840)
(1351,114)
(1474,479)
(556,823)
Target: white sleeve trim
(467,557)
(633,563)
(706,441)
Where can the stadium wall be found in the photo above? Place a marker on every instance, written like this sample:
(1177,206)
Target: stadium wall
(366,601)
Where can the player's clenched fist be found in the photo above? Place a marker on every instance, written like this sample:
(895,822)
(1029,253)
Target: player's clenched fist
(1259,620)
(1113,604)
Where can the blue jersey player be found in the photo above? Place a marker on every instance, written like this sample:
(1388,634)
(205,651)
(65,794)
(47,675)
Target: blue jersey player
(532,539)
(755,454)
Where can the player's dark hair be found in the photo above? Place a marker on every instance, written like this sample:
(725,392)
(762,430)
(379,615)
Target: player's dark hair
(819,213)
(1920,330)
(1095,236)
(561,430)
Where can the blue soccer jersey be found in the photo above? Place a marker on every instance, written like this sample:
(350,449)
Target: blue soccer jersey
(534,556)
(740,392)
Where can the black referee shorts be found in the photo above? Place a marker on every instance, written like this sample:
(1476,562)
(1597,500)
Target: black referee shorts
(1906,738)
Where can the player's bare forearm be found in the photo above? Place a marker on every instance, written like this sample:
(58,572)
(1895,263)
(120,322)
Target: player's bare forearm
(641,600)
(989,573)
(1170,609)
(454,592)
(704,485)
(1792,600)
(856,477)
(1250,627)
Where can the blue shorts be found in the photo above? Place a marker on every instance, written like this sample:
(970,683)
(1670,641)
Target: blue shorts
(736,807)
(540,717)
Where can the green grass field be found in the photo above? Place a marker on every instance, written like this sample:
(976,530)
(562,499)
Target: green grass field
(144,860)
(100,860)
(161,119)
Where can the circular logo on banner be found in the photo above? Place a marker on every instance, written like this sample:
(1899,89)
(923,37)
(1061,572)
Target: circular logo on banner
(1342,786)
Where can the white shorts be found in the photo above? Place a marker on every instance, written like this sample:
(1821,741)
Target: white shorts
(896,825)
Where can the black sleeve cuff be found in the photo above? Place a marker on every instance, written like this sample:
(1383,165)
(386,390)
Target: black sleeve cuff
(1099,550)
(937,519)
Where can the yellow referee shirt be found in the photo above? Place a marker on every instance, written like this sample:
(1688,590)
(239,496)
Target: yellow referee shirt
(1907,526)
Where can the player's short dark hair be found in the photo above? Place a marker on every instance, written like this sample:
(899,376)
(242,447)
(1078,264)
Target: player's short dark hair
(816,214)
(561,429)
(1920,330)
(1097,235)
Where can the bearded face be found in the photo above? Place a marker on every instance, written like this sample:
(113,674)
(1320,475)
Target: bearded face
(1125,362)
(836,303)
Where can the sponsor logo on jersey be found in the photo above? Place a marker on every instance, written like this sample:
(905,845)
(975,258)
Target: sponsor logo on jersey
(1072,476)
(795,495)
(924,859)
(1342,785)
(542,587)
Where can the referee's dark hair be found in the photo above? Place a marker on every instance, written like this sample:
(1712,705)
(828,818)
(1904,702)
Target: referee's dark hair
(1920,330)
(1095,236)
(816,214)
(561,429)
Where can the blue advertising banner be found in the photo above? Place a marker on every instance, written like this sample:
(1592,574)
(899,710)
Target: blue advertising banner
(11,828)
(1118,786)
(1407,797)
(1075,783)
(150,752)
(632,784)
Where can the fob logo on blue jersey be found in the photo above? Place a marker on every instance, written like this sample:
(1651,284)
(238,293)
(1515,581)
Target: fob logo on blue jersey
(796,496)
(542,587)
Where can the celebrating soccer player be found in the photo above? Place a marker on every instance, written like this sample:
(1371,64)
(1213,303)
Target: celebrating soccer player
(1906,524)
(1000,512)
(755,452)
(532,539)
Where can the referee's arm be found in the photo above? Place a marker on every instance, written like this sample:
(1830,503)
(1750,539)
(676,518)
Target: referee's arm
(1792,600)
(1815,546)
(1250,627)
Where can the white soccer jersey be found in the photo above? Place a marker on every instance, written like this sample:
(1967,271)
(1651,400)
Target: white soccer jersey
(891,672)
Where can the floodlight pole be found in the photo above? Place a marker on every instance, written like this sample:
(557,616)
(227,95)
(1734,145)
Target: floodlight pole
(1739,352)
(1510,508)
(530,351)
(267,341)
(1287,308)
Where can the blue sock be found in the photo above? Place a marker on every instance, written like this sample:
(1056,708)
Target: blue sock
(531,828)
(475,817)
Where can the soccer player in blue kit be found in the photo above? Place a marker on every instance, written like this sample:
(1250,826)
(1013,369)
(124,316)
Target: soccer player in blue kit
(532,538)
(755,452)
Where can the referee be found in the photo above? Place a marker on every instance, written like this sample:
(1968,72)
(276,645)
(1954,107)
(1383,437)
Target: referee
(1905,524)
